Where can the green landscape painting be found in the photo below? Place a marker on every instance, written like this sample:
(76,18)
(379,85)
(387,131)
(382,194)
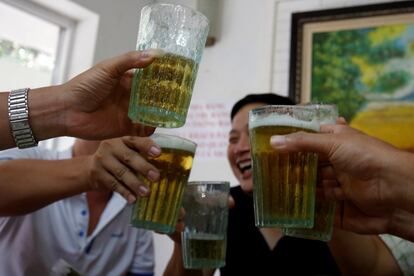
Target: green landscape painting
(369,74)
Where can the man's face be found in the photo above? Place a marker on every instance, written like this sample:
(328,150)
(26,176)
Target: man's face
(238,150)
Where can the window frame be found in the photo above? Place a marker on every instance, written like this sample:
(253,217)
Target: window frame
(67,28)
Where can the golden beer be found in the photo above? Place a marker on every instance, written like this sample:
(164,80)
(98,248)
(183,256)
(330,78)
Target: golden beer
(160,210)
(324,209)
(204,250)
(161,93)
(323,223)
(284,184)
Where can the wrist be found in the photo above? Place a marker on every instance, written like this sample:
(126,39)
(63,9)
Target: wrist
(82,172)
(398,179)
(47,112)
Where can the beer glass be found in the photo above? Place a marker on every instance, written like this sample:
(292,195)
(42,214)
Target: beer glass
(161,92)
(283,184)
(324,209)
(159,211)
(205,233)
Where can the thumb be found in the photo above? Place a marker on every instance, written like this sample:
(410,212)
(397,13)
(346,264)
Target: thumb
(135,59)
(303,142)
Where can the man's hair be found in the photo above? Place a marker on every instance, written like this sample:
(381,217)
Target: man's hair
(265,98)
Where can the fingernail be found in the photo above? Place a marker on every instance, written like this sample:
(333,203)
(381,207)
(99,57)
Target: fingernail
(150,53)
(153,175)
(154,151)
(143,190)
(131,199)
(278,141)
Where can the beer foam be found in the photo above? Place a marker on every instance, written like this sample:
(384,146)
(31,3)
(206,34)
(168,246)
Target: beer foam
(284,120)
(174,142)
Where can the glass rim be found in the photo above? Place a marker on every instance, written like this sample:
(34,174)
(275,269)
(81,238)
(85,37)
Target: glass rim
(204,18)
(280,106)
(209,182)
(313,104)
(188,141)
(322,106)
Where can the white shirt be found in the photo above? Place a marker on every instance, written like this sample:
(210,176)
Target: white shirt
(37,243)
(403,252)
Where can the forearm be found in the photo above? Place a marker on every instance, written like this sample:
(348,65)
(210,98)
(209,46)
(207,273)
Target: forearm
(362,254)
(27,185)
(399,176)
(46,115)
(175,266)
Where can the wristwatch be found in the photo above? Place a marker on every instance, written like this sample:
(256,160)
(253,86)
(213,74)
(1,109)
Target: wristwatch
(19,119)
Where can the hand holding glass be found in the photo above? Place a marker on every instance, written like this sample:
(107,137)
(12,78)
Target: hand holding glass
(160,210)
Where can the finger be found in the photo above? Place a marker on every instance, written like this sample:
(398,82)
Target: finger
(326,173)
(111,183)
(132,159)
(134,59)
(123,175)
(332,192)
(143,145)
(339,193)
(341,121)
(180,225)
(303,142)
(181,214)
(231,202)
(320,193)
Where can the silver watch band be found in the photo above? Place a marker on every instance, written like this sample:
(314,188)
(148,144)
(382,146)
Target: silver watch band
(19,119)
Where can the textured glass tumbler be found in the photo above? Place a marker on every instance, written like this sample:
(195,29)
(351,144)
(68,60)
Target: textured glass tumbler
(205,235)
(160,210)
(324,209)
(283,184)
(161,93)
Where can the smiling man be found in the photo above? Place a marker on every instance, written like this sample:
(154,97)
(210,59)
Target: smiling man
(252,250)
(263,251)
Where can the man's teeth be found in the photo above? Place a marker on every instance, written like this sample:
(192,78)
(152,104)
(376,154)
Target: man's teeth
(245,165)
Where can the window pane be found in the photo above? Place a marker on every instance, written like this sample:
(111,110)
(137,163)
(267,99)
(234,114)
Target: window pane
(28,46)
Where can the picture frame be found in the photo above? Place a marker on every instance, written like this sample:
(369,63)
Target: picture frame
(362,59)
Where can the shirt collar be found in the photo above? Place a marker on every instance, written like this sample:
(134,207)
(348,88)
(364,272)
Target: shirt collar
(115,206)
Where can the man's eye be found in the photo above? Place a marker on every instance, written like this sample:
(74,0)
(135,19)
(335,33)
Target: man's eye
(233,140)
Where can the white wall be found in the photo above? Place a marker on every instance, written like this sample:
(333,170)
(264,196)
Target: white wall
(251,55)
(118,25)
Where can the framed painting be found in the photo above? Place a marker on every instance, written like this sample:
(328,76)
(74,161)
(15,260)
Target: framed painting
(362,59)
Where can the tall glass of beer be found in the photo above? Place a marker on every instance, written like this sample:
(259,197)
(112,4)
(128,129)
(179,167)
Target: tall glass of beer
(283,184)
(324,209)
(206,212)
(159,211)
(161,92)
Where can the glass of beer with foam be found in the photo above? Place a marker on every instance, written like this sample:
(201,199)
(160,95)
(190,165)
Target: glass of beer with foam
(159,211)
(161,93)
(283,184)
(204,239)
(324,209)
